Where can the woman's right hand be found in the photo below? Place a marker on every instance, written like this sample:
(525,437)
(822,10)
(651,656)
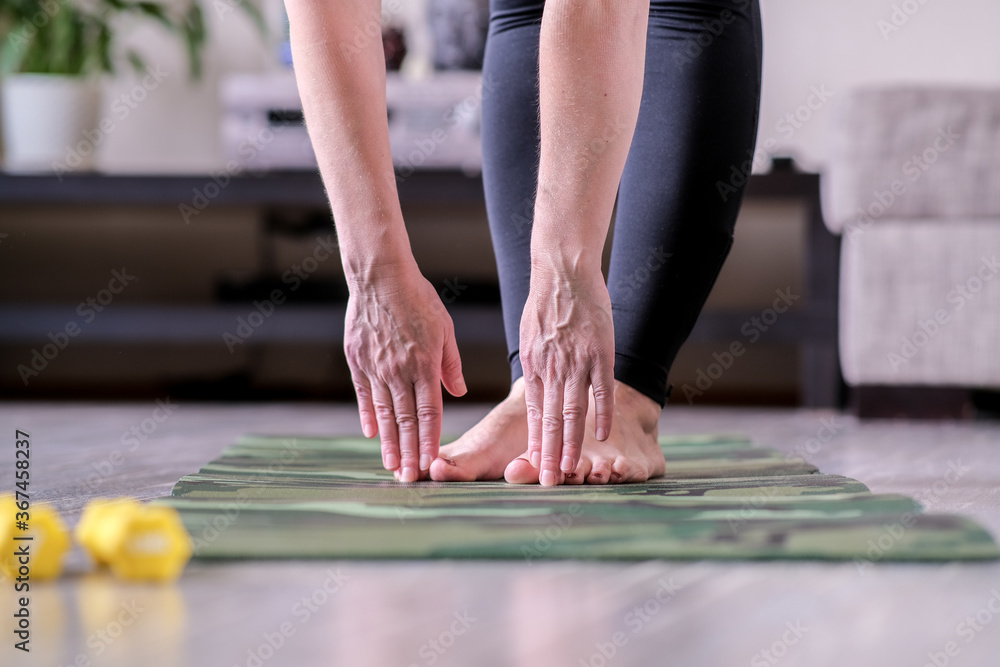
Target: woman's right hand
(400,346)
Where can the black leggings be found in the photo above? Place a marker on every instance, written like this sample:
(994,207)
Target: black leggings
(674,222)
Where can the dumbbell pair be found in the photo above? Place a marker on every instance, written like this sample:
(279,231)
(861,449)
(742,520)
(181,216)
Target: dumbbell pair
(137,542)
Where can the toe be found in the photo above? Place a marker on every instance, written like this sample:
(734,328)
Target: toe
(459,467)
(444,469)
(579,476)
(625,470)
(600,473)
(520,471)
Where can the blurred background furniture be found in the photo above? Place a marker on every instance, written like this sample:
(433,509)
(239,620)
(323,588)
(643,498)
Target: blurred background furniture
(913,186)
(292,204)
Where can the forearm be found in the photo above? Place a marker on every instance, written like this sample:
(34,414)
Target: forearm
(342,86)
(591,63)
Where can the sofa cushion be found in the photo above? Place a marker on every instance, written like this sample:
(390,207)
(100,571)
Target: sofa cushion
(913,152)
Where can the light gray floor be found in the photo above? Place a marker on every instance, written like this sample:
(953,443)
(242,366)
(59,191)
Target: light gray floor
(456,613)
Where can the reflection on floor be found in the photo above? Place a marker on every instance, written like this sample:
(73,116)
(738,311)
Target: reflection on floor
(458,613)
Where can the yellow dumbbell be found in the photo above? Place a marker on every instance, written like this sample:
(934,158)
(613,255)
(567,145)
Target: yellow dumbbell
(138,542)
(41,556)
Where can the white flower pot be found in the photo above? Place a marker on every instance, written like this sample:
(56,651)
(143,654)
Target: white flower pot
(45,118)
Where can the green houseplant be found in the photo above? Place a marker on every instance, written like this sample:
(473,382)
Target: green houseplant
(52,53)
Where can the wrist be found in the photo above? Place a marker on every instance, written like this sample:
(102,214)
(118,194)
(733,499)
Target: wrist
(381,270)
(565,267)
(561,258)
(567,242)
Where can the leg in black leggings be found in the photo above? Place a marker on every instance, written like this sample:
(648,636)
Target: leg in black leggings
(674,228)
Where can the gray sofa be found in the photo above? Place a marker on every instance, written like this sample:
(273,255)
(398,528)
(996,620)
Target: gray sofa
(913,186)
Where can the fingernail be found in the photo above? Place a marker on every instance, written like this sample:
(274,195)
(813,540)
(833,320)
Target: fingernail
(391,461)
(536,459)
(602,434)
(409,475)
(367,430)
(567,464)
(548,478)
(425,461)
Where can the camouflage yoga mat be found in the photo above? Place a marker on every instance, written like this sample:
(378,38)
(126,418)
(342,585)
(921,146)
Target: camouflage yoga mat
(722,497)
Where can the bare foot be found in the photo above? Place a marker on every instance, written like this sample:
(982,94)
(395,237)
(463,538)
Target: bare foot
(630,454)
(484,451)
(496,446)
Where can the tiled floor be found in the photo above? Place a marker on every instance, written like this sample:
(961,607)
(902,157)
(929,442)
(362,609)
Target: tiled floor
(454,613)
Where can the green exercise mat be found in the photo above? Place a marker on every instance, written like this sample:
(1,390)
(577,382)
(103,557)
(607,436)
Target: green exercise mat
(722,497)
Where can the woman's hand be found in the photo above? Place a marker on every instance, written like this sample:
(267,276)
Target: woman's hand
(567,347)
(400,345)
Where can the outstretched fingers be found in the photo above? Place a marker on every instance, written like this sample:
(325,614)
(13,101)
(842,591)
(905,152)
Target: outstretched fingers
(552,435)
(429,413)
(534,394)
(602,379)
(366,411)
(407,425)
(574,417)
(385,417)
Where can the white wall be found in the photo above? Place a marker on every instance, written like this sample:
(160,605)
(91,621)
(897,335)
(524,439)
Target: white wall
(831,45)
(176,127)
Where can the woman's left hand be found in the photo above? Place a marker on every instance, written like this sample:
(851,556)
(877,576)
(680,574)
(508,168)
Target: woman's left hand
(566,347)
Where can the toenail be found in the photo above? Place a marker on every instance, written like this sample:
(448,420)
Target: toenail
(616,475)
(597,475)
(448,461)
(571,475)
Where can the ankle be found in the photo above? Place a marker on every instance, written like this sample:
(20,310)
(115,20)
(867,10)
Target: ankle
(635,404)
